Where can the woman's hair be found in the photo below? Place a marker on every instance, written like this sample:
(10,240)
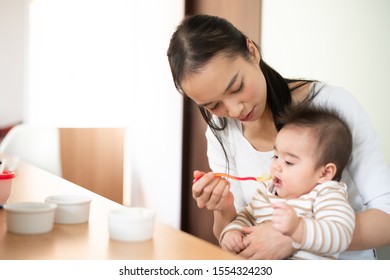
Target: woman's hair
(200,38)
(331,133)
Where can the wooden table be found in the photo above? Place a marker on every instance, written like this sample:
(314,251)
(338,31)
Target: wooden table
(91,240)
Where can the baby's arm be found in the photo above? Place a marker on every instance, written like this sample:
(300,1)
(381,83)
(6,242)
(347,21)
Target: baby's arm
(231,238)
(286,221)
(329,231)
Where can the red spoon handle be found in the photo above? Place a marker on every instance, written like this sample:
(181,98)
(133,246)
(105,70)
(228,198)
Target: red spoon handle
(229,176)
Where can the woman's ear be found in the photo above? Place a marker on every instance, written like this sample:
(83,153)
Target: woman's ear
(253,50)
(328,172)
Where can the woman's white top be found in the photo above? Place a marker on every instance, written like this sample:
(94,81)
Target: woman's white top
(367,174)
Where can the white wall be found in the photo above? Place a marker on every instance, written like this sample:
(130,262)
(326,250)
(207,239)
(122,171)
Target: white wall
(101,63)
(157,113)
(345,43)
(12,59)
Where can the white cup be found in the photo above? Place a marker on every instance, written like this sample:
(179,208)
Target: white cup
(71,209)
(133,224)
(30,217)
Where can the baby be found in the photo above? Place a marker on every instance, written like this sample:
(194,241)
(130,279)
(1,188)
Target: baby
(305,199)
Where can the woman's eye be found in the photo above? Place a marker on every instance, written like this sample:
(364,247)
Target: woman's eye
(239,89)
(214,107)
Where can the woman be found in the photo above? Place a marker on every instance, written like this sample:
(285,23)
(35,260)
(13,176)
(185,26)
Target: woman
(241,98)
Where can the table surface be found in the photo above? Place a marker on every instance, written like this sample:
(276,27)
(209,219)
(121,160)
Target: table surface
(91,240)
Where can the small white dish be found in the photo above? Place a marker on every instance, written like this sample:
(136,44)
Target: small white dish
(71,209)
(30,217)
(132,224)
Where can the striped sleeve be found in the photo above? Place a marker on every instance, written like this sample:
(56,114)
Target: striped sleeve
(330,230)
(243,219)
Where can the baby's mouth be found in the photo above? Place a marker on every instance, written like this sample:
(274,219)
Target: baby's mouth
(277,182)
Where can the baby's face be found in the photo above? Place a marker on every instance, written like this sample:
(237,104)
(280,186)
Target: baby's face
(294,168)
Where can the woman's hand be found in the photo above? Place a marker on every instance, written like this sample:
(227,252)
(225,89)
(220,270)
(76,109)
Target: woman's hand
(263,242)
(211,192)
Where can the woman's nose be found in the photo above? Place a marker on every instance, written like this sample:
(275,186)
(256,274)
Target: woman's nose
(234,109)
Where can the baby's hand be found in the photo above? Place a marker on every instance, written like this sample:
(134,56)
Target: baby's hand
(284,218)
(232,241)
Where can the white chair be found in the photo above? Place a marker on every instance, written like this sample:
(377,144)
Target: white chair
(39,146)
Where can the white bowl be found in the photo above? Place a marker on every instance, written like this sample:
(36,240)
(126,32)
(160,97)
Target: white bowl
(30,217)
(131,224)
(71,209)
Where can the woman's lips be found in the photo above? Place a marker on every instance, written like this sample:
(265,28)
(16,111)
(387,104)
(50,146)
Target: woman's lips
(247,117)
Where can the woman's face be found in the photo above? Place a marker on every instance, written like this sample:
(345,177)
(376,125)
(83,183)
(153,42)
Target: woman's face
(232,87)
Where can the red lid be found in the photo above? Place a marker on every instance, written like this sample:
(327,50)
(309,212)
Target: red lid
(7,175)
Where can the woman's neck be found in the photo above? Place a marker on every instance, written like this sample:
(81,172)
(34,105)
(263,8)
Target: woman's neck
(261,133)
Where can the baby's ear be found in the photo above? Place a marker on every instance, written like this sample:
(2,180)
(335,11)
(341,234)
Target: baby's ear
(328,172)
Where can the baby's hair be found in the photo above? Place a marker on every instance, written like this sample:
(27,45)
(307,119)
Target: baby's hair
(333,136)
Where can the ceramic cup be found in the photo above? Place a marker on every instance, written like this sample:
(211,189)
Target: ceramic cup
(30,217)
(71,209)
(133,224)
(6,180)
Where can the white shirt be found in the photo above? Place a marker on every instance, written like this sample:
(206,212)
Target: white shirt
(367,175)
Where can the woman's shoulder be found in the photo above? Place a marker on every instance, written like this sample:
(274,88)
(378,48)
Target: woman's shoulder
(335,97)
(322,92)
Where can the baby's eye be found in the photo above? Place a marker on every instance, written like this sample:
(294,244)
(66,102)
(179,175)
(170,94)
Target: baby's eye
(274,157)
(288,163)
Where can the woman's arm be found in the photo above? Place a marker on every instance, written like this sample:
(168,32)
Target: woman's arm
(214,194)
(371,230)
(222,219)
(368,169)
(217,162)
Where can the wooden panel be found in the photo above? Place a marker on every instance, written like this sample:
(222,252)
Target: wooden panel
(194,220)
(93,159)
(245,14)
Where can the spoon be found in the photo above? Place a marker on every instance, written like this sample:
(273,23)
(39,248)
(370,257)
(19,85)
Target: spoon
(262,178)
